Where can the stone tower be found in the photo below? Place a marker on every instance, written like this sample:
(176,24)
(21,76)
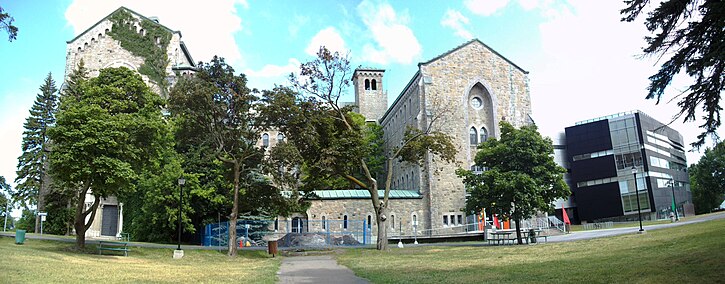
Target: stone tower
(370,99)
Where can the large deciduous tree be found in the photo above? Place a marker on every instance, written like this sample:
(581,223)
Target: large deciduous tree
(521,177)
(707,179)
(108,128)
(334,142)
(214,109)
(33,179)
(6,23)
(689,35)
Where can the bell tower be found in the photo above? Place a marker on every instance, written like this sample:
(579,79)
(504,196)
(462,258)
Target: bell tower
(370,99)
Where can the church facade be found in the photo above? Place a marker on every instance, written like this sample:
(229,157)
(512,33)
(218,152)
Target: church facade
(98,49)
(464,93)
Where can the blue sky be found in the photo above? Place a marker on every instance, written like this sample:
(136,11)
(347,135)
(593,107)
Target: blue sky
(583,62)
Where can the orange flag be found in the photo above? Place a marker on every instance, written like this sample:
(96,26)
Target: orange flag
(566,217)
(495,221)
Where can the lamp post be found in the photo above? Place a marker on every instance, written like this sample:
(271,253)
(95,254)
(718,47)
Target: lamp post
(636,192)
(674,202)
(181,200)
(178,253)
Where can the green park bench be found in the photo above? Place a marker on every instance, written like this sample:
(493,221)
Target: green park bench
(113,246)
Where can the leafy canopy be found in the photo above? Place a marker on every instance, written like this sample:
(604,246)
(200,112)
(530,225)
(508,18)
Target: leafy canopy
(106,132)
(521,176)
(707,179)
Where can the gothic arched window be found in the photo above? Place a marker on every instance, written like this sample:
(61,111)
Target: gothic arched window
(280,137)
(265,140)
(473,135)
(367,84)
(484,134)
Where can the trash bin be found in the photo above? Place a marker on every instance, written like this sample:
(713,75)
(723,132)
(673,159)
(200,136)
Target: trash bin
(19,237)
(532,236)
(272,247)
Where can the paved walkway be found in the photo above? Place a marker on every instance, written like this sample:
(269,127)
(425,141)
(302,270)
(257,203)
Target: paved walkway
(315,269)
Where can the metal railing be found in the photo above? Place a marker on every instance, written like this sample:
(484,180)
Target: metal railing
(291,233)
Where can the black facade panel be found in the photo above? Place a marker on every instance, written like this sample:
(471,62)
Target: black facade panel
(595,168)
(588,138)
(598,201)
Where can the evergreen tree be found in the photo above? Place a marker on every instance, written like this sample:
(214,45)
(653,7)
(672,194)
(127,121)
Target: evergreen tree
(6,23)
(32,176)
(689,35)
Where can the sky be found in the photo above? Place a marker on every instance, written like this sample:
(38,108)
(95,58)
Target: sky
(582,61)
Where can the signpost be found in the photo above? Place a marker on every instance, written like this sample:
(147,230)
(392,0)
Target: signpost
(42,216)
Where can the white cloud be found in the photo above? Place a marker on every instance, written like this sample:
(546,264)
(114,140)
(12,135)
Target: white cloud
(328,37)
(394,40)
(485,7)
(456,21)
(208,29)
(271,70)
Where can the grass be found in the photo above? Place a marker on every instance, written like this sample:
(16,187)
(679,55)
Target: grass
(55,262)
(684,254)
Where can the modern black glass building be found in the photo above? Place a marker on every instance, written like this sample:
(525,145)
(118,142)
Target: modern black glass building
(602,152)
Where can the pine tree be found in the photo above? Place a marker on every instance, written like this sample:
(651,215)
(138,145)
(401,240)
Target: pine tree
(32,180)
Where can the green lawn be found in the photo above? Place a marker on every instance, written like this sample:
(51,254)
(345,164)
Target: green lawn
(54,262)
(685,254)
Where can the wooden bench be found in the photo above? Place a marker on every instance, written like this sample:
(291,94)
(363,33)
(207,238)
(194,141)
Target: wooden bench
(113,246)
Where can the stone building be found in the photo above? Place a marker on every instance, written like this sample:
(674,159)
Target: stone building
(465,93)
(99,47)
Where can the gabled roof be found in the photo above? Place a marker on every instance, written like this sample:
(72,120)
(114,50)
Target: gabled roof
(399,96)
(470,42)
(128,10)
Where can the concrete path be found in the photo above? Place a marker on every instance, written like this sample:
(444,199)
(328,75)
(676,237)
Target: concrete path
(315,269)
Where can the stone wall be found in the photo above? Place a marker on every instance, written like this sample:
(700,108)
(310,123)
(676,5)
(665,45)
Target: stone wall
(400,215)
(371,100)
(99,50)
(445,87)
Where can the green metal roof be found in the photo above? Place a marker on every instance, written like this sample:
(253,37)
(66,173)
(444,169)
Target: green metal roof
(361,194)
(365,194)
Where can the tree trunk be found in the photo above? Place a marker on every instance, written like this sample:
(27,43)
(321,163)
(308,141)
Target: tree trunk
(42,191)
(80,224)
(233,216)
(382,219)
(518,231)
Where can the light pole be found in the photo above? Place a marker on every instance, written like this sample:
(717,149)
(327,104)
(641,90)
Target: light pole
(636,192)
(674,202)
(181,200)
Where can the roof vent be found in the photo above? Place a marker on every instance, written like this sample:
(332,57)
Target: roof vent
(155,19)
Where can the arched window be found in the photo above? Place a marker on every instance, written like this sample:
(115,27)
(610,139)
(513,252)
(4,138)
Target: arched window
(374,85)
(415,220)
(474,135)
(324,223)
(276,224)
(367,84)
(280,137)
(265,140)
(344,222)
(392,221)
(100,36)
(370,221)
(484,134)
